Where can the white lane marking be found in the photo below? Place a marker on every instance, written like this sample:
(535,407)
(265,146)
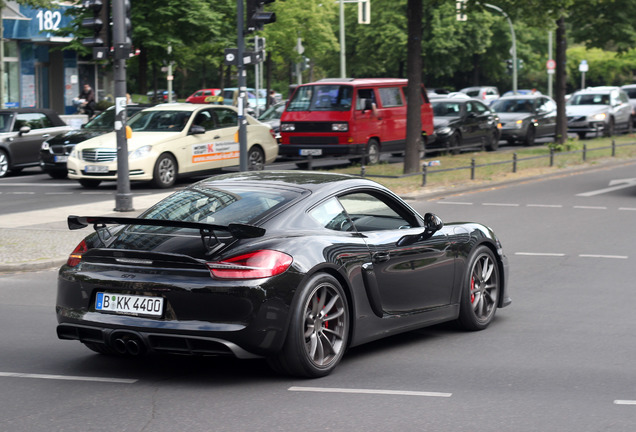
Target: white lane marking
(96,193)
(546,205)
(59,193)
(603,256)
(540,254)
(455,203)
(627,208)
(591,207)
(624,402)
(34,184)
(67,377)
(500,204)
(367,391)
(613,186)
(20,193)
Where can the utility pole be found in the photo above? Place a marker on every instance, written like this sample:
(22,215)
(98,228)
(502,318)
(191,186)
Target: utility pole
(242,129)
(122,46)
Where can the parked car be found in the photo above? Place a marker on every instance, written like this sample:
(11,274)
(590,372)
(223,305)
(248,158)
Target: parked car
(272,115)
(485,94)
(205,96)
(526,117)
(522,92)
(294,267)
(54,151)
(599,110)
(230,94)
(630,90)
(160,96)
(22,132)
(350,116)
(462,123)
(174,140)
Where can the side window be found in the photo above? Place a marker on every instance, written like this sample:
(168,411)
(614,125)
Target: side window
(370,213)
(226,117)
(479,108)
(331,215)
(362,95)
(390,96)
(206,119)
(33,120)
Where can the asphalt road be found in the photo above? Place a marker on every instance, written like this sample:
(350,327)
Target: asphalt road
(560,358)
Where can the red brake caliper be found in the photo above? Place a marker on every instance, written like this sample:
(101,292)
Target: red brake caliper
(472,289)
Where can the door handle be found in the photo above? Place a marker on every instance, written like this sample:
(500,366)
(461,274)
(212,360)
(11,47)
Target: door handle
(381,256)
(217,137)
(46,135)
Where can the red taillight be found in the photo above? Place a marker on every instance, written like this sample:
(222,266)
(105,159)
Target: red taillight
(254,265)
(76,256)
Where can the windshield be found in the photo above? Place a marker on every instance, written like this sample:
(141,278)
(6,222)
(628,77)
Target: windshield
(513,105)
(159,121)
(446,109)
(5,122)
(272,113)
(631,93)
(589,99)
(104,121)
(321,98)
(235,204)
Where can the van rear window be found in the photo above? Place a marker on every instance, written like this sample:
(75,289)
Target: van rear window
(321,98)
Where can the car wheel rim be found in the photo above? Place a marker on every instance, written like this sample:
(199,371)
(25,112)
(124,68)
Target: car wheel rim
(166,171)
(4,165)
(256,160)
(325,325)
(484,287)
(373,153)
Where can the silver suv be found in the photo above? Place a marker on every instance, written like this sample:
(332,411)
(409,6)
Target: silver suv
(599,110)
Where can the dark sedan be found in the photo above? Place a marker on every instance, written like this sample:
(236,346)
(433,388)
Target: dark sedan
(22,131)
(464,123)
(54,151)
(526,117)
(290,266)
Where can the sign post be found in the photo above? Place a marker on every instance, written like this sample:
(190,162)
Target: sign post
(583,67)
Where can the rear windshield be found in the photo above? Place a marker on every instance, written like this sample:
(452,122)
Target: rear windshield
(321,98)
(513,105)
(236,204)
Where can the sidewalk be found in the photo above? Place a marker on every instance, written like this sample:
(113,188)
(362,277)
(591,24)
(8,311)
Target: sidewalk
(27,243)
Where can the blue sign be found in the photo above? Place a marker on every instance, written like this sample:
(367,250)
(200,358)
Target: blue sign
(37,24)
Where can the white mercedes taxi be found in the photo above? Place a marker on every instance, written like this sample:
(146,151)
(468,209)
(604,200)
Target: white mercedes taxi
(172,140)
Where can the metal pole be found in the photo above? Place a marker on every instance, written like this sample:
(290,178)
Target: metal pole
(256,77)
(242,130)
(343,61)
(513,49)
(123,197)
(550,58)
(169,73)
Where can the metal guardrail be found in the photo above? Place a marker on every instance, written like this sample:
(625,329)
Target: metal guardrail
(514,162)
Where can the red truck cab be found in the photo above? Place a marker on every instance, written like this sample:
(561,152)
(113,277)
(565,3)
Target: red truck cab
(350,116)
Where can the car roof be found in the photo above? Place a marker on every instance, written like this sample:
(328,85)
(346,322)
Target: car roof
(182,106)
(599,89)
(522,96)
(361,81)
(55,118)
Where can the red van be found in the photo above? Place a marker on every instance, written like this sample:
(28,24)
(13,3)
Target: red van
(349,116)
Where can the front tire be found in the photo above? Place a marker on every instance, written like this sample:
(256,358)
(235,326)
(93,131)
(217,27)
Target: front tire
(530,136)
(4,163)
(481,288)
(373,152)
(165,172)
(318,331)
(492,143)
(89,183)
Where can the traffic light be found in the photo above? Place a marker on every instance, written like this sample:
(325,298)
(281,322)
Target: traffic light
(509,66)
(256,16)
(95,24)
(122,29)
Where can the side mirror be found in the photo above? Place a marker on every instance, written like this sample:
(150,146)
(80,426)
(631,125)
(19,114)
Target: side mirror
(432,223)
(196,130)
(24,130)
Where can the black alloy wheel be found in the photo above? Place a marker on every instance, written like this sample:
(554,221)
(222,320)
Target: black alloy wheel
(165,172)
(318,330)
(455,143)
(481,288)
(492,141)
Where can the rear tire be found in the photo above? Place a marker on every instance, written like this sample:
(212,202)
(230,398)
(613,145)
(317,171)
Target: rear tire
(255,159)
(89,183)
(165,172)
(318,331)
(373,152)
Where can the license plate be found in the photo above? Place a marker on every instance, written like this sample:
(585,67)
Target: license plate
(61,158)
(129,304)
(310,152)
(96,169)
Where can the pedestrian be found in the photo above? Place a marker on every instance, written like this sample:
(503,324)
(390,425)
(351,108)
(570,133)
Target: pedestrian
(88,96)
(272,98)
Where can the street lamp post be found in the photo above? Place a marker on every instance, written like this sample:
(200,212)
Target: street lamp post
(513,49)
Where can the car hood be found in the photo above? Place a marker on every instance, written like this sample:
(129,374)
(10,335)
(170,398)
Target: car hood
(580,110)
(508,117)
(139,139)
(444,121)
(76,136)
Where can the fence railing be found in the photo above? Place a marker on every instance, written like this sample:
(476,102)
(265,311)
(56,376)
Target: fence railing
(514,161)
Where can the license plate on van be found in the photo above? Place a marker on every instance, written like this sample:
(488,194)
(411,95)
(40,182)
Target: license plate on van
(310,152)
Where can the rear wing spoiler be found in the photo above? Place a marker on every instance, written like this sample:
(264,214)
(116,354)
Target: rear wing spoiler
(206,231)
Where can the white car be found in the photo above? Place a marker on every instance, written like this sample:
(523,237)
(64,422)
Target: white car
(172,140)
